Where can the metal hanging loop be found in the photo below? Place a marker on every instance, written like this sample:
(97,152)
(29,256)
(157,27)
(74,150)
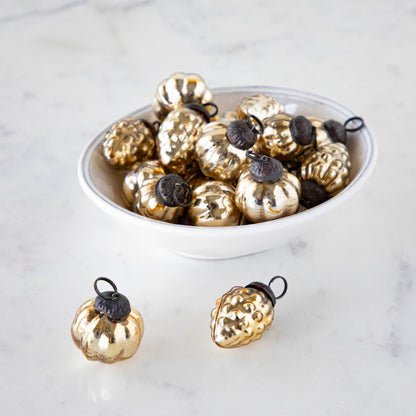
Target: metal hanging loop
(351,119)
(284,285)
(253,127)
(257,157)
(178,187)
(214,106)
(114,295)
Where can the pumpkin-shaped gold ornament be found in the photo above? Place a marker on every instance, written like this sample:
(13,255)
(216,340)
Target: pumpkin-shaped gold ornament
(266,191)
(128,141)
(243,314)
(178,134)
(213,205)
(177,90)
(260,105)
(322,136)
(163,197)
(220,150)
(284,137)
(136,176)
(107,328)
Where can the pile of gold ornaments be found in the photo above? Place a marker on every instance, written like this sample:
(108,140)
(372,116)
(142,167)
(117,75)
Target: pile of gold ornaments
(250,165)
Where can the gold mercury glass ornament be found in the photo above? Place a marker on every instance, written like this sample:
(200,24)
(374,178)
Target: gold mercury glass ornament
(325,168)
(213,205)
(128,141)
(266,191)
(137,176)
(324,172)
(260,105)
(163,197)
(284,137)
(243,314)
(178,134)
(220,150)
(322,136)
(107,328)
(129,186)
(177,90)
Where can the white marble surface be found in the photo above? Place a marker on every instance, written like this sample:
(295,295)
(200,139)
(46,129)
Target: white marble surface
(344,342)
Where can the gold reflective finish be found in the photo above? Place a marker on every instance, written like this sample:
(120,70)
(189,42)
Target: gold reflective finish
(217,124)
(265,201)
(240,317)
(195,177)
(260,105)
(100,339)
(216,156)
(177,90)
(128,141)
(129,186)
(213,206)
(176,139)
(139,173)
(329,166)
(147,203)
(276,140)
(230,115)
(321,134)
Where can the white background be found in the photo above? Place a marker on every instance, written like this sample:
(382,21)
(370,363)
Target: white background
(344,339)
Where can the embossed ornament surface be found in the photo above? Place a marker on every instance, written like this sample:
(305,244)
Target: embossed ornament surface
(240,317)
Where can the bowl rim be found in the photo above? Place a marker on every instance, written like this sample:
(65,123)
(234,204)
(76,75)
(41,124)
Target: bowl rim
(106,204)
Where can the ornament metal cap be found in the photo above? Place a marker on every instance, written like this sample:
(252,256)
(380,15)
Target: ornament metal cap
(312,194)
(268,290)
(202,109)
(338,132)
(174,191)
(115,305)
(264,168)
(301,130)
(242,134)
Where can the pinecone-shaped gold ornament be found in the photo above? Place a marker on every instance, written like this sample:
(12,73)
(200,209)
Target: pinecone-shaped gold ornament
(107,328)
(324,172)
(177,90)
(128,141)
(243,314)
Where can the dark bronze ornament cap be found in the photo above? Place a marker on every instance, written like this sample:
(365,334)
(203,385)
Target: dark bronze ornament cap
(173,191)
(301,130)
(336,131)
(111,303)
(243,133)
(265,168)
(267,290)
(312,194)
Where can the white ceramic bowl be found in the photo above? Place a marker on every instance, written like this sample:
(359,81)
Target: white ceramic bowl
(102,184)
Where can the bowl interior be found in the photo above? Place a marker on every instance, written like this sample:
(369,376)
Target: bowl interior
(103,182)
